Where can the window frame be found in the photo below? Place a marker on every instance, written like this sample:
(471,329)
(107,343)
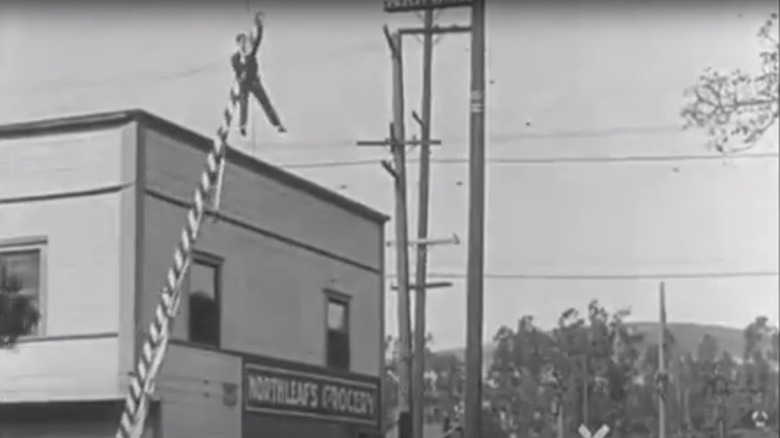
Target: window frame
(37,244)
(216,263)
(333,296)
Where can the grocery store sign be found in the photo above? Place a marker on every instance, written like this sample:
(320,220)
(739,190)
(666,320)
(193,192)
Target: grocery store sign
(282,391)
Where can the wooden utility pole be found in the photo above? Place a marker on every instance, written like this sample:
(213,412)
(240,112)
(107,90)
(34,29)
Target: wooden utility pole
(418,369)
(676,370)
(398,136)
(428,31)
(721,390)
(586,385)
(560,425)
(662,363)
(476,236)
(397,142)
(687,404)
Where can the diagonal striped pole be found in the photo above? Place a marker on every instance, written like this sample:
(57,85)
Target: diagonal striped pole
(155,345)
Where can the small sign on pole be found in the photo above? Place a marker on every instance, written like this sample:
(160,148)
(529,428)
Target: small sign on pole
(600,433)
(422,5)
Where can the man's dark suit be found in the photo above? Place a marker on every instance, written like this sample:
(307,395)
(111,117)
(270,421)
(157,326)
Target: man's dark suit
(248,74)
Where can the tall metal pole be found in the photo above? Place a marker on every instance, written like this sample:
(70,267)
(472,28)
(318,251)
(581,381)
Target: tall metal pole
(418,377)
(662,362)
(402,236)
(476,235)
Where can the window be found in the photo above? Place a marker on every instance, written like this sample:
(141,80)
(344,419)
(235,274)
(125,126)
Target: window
(337,325)
(204,302)
(20,272)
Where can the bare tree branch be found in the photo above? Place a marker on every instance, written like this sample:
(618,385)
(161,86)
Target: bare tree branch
(737,106)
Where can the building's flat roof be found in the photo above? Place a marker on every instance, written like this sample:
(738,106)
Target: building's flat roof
(116,118)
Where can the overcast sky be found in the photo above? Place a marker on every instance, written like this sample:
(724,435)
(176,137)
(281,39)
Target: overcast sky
(574,81)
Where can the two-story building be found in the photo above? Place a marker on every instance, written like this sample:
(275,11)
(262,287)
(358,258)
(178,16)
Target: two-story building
(280,333)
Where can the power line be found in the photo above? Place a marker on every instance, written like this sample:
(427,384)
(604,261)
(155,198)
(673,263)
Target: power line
(145,79)
(610,277)
(602,132)
(607,159)
(505,139)
(549,160)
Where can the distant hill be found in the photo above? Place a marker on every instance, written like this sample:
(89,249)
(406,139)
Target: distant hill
(687,337)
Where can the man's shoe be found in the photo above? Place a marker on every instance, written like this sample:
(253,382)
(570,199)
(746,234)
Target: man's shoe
(281,129)
(242,130)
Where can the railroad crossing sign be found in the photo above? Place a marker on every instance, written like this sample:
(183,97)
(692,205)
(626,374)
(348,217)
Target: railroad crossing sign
(600,433)
(760,418)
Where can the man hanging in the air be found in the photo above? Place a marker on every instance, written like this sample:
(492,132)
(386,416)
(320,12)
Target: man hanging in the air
(245,66)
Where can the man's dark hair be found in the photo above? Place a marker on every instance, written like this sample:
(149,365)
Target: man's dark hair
(240,38)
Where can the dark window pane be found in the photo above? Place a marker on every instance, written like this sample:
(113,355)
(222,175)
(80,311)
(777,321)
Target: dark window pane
(20,271)
(338,350)
(337,339)
(22,268)
(204,314)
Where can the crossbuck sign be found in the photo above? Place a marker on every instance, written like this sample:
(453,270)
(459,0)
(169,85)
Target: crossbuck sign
(601,433)
(759,418)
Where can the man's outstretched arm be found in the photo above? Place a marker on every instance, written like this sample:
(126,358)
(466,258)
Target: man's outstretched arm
(257,35)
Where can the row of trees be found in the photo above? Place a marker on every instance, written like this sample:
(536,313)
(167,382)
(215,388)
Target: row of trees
(594,368)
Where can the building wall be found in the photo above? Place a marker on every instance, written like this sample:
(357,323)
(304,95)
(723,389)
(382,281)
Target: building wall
(281,248)
(96,419)
(60,429)
(191,386)
(88,197)
(204,393)
(67,191)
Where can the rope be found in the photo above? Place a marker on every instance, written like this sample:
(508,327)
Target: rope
(142,383)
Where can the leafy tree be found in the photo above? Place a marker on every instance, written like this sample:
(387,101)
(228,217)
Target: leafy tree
(708,349)
(738,105)
(758,338)
(515,384)
(687,385)
(533,368)
(758,357)
(535,372)
(445,386)
(444,382)
(18,313)
(390,379)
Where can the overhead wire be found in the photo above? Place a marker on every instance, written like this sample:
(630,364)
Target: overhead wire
(142,79)
(518,276)
(495,141)
(505,138)
(510,138)
(546,160)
